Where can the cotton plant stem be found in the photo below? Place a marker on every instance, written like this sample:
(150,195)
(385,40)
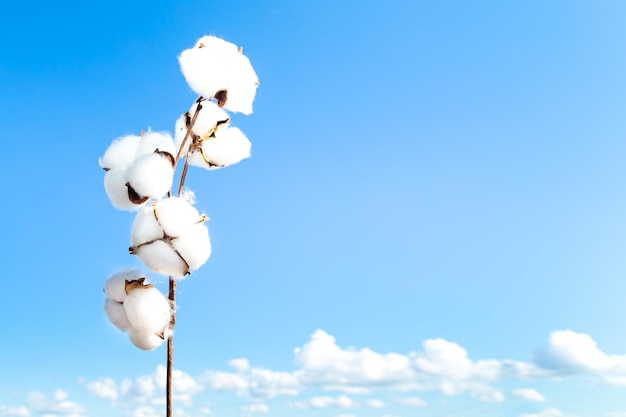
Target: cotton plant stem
(172,287)
(183,175)
(185,139)
(170,350)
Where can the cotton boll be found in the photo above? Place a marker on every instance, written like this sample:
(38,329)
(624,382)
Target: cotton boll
(209,118)
(205,66)
(176,215)
(229,147)
(115,186)
(196,159)
(215,67)
(151,175)
(147,309)
(121,152)
(194,246)
(162,258)
(145,340)
(116,314)
(115,285)
(153,141)
(146,227)
(159,231)
(243,87)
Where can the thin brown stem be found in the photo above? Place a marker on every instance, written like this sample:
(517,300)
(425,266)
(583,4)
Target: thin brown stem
(170,350)
(186,138)
(183,175)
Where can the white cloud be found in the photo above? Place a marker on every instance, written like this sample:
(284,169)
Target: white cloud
(529,394)
(324,363)
(256,408)
(145,411)
(104,388)
(254,382)
(342,401)
(440,366)
(571,351)
(6,411)
(374,403)
(240,364)
(616,414)
(548,412)
(59,405)
(568,352)
(412,401)
(147,389)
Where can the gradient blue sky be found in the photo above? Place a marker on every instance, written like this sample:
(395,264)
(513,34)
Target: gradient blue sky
(428,179)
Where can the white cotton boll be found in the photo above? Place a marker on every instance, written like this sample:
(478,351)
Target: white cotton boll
(209,118)
(116,314)
(163,237)
(228,147)
(151,175)
(176,216)
(152,141)
(115,186)
(196,159)
(115,285)
(243,87)
(146,227)
(215,65)
(160,257)
(194,246)
(145,340)
(205,65)
(147,309)
(121,152)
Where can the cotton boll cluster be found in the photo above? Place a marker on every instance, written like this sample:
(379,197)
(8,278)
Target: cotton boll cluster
(138,168)
(168,234)
(212,142)
(215,68)
(137,308)
(170,237)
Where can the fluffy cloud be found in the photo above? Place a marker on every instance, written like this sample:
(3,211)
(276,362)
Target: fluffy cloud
(326,402)
(548,412)
(255,408)
(412,401)
(568,352)
(104,388)
(147,389)
(253,382)
(439,366)
(529,394)
(373,403)
(58,405)
(325,364)
(6,411)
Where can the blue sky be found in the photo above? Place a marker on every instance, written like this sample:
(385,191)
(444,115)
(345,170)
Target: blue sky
(432,222)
